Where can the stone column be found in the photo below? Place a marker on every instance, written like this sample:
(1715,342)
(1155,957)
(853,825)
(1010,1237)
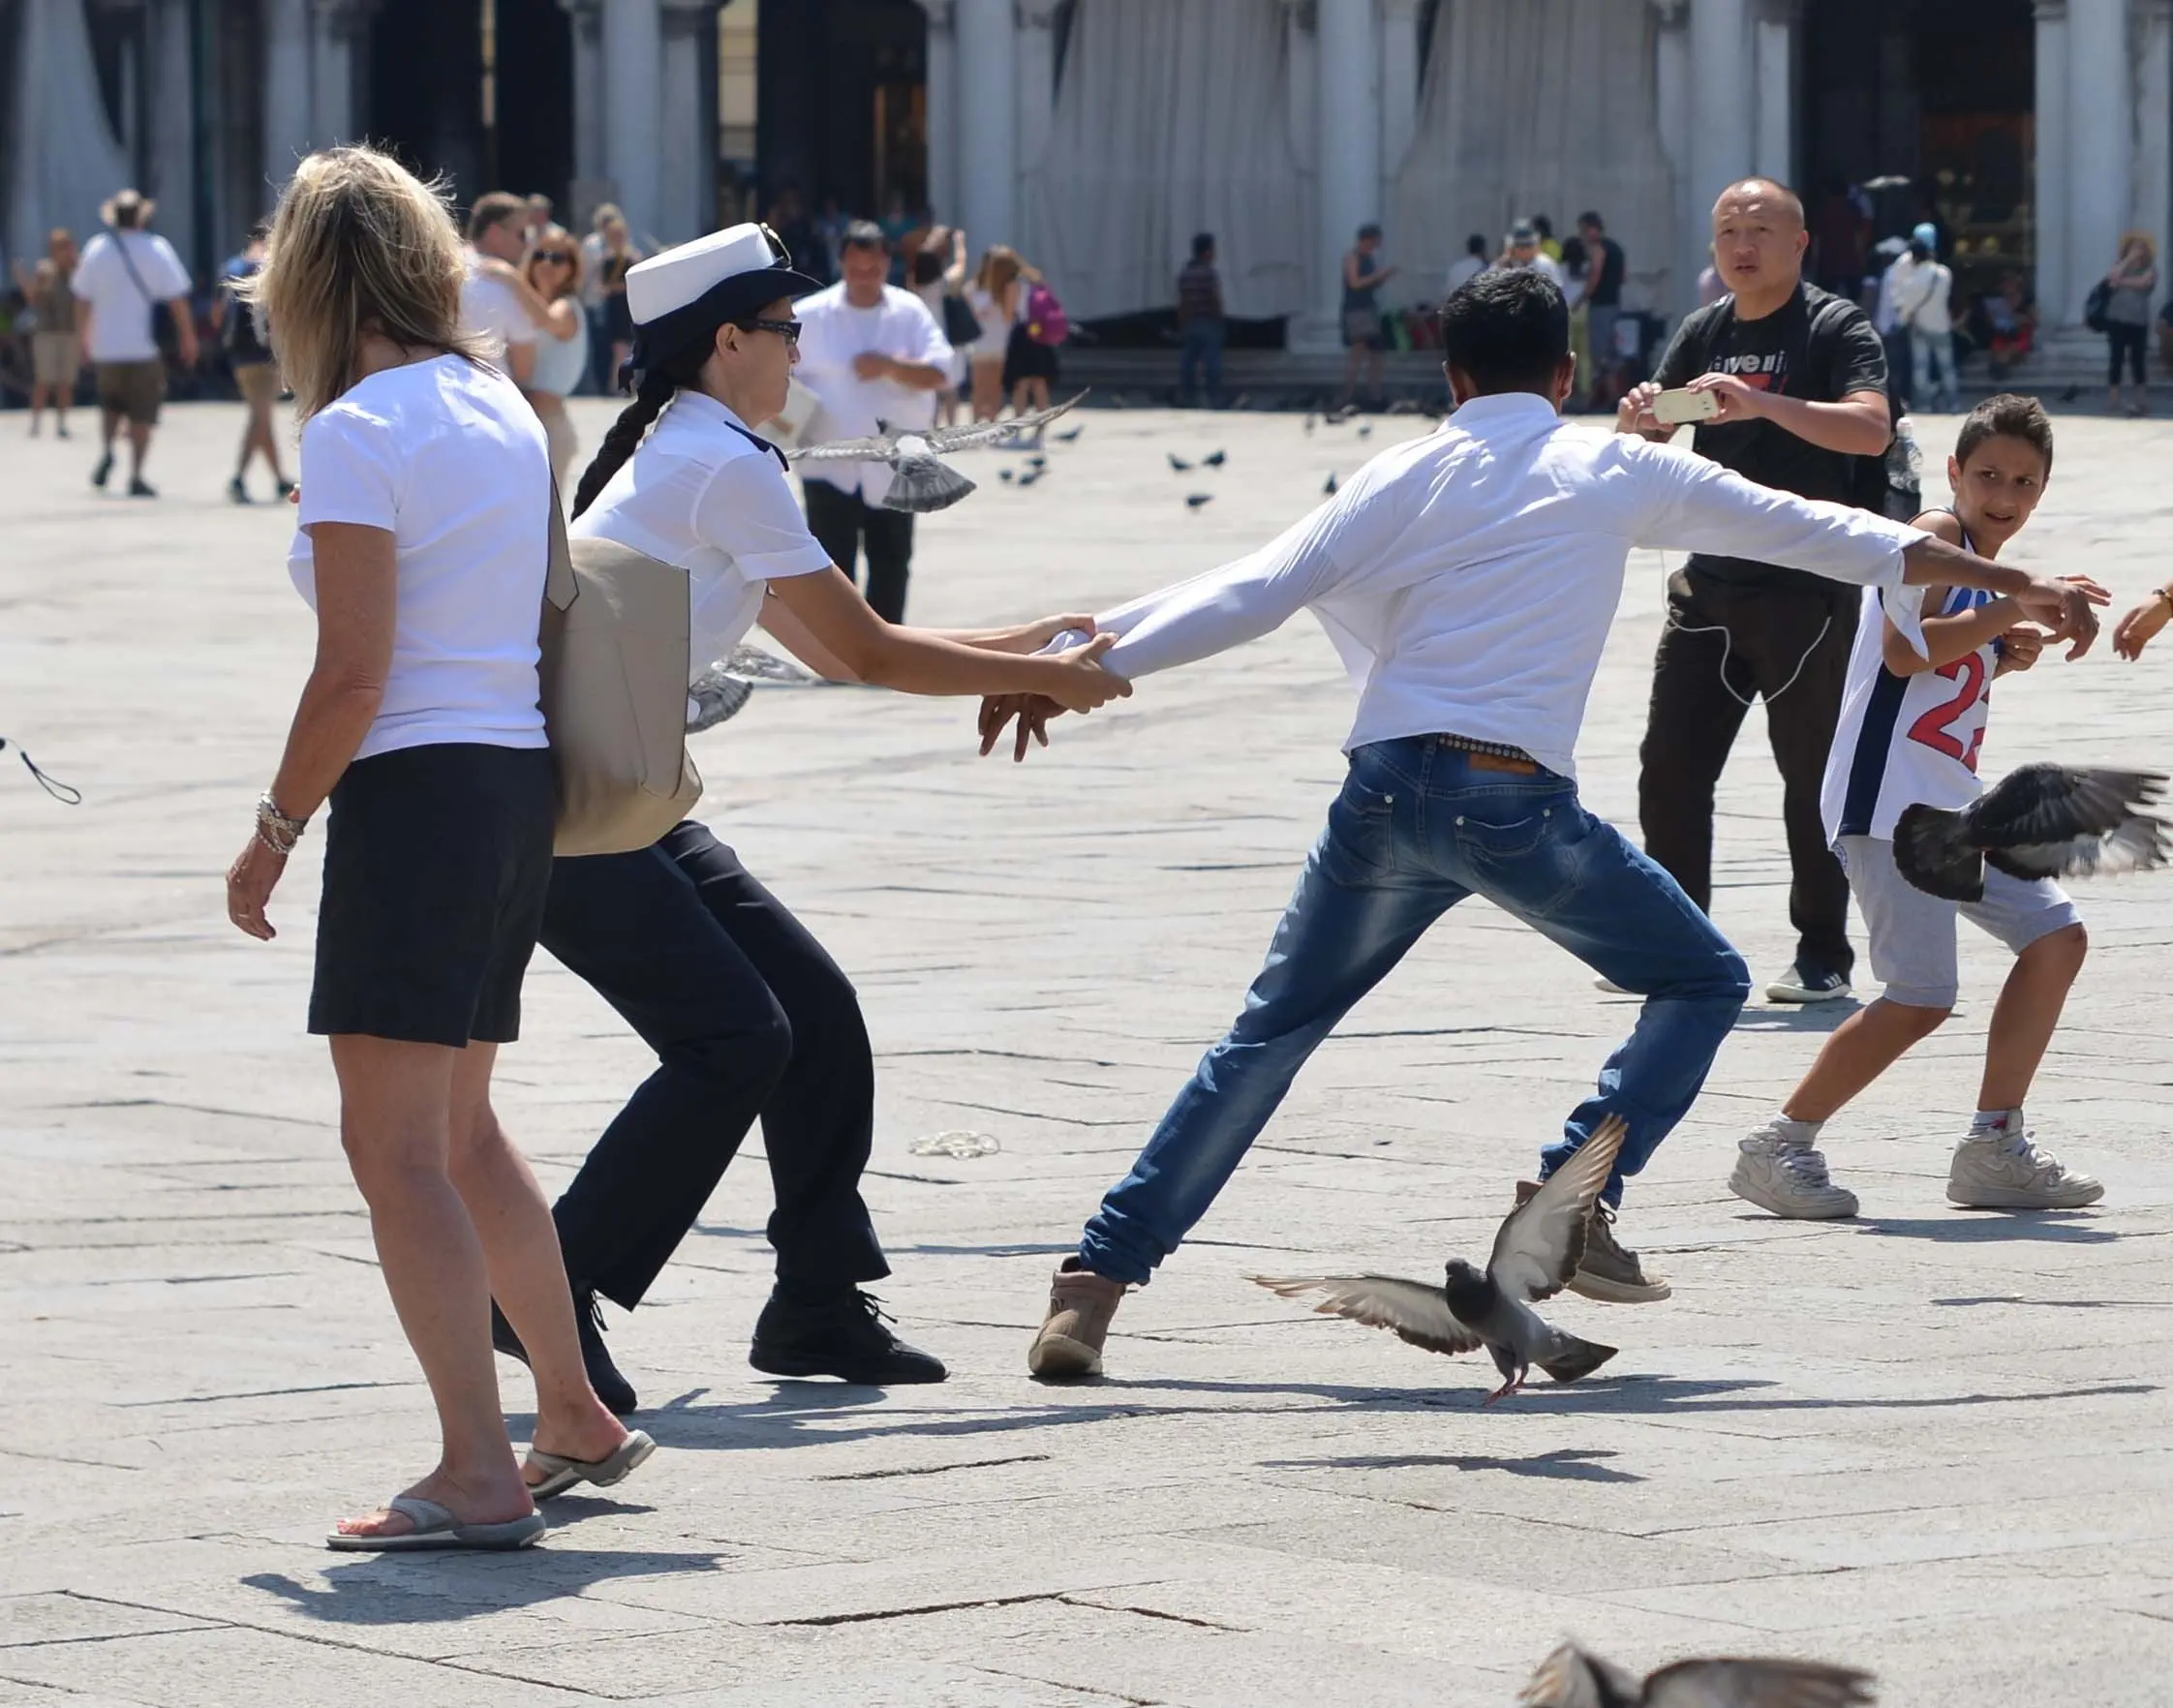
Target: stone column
(687,188)
(173,127)
(633,40)
(1348,154)
(942,113)
(2152,195)
(2100,133)
(286,90)
(1399,89)
(1672,95)
(339,23)
(1036,72)
(2048,193)
(1723,83)
(1774,59)
(988,127)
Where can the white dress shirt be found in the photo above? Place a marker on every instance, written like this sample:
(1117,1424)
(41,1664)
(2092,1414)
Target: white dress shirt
(698,495)
(1468,578)
(833,332)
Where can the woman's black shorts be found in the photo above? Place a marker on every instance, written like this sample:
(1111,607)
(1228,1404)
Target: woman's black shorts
(1027,357)
(437,862)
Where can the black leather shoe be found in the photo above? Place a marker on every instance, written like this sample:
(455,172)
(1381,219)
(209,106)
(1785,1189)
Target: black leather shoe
(844,1338)
(612,1388)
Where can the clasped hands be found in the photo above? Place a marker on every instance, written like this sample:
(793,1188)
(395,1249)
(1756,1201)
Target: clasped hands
(1084,685)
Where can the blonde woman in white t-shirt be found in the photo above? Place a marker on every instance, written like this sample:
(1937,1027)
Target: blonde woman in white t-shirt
(422,546)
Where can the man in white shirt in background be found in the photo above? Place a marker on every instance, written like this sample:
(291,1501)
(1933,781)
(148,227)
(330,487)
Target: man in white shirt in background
(874,357)
(1467,266)
(1469,579)
(499,233)
(1921,296)
(1521,249)
(126,274)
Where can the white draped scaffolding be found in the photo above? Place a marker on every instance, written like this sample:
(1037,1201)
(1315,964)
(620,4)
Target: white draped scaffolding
(63,158)
(1173,116)
(1536,107)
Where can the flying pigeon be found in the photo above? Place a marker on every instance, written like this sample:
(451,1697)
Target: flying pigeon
(1329,488)
(1215,459)
(1176,462)
(921,480)
(1536,1251)
(1572,1678)
(2040,821)
(1067,438)
(1194,500)
(714,696)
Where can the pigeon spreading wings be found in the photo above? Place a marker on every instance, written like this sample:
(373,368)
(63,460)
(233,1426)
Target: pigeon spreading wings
(1572,1678)
(1536,1249)
(920,479)
(2039,822)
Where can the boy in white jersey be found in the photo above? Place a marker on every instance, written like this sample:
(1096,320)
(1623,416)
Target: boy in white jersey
(1909,731)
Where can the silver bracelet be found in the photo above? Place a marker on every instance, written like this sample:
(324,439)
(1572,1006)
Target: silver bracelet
(274,829)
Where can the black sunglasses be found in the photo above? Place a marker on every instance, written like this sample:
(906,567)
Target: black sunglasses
(561,256)
(788,330)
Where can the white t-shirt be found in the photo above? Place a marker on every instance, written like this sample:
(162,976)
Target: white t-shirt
(700,496)
(1462,273)
(448,458)
(1920,295)
(120,312)
(900,328)
(492,308)
(1469,578)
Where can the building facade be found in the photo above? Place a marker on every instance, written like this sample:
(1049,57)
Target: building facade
(1097,136)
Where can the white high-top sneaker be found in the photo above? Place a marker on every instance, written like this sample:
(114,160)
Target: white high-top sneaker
(2005,1170)
(1779,1171)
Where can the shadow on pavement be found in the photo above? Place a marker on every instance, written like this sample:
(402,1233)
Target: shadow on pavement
(443,1589)
(1808,1017)
(1567,1464)
(1981,1227)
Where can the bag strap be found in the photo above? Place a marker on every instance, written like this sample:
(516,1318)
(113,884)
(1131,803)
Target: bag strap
(559,586)
(120,242)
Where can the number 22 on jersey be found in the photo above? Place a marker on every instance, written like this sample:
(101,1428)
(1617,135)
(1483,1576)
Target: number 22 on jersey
(1935,728)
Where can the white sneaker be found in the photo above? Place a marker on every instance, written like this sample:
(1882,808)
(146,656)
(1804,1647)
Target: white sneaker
(1785,1176)
(2007,1171)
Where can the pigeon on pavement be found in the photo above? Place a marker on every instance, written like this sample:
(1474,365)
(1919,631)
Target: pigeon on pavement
(920,479)
(2042,820)
(1067,438)
(1194,500)
(1365,431)
(1215,459)
(1536,1251)
(1177,463)
(1572,1678)
(1329,488)
(1029,476)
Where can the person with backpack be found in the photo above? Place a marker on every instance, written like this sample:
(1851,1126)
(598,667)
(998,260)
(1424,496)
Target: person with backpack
(256,372)
(1922,294)
(1030,361)
(1801,380)
(133,293)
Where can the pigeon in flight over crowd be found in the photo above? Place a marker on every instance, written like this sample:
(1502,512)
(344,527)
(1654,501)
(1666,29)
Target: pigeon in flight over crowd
(1572,1678)
(2041,820)
(1536,1251)
(920,479)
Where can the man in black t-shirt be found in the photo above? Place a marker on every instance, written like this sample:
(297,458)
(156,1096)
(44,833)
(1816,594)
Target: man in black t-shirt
(1802,389)
(1602,302)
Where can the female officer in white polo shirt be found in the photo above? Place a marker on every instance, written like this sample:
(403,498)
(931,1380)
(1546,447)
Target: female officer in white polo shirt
(747,1013)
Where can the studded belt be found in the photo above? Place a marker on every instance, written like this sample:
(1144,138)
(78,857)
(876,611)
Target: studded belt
(1493,749)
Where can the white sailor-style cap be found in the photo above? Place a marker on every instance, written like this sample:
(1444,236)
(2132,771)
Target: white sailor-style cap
(686,293)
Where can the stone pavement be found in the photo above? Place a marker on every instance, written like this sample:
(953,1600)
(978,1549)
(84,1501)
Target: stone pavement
(1929,1442)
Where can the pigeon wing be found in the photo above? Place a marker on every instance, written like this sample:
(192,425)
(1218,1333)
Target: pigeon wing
(953,438)
(922,484)
(879,449)
(2042,807)
(1409,1309)
(1542,1241)
(1757,1684)
(1572,1678)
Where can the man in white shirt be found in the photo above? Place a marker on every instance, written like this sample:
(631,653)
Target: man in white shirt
(1920,292)
(874,355)
(1521,249)
(1469,579)
(1467,267)
(499,232)
(126,275)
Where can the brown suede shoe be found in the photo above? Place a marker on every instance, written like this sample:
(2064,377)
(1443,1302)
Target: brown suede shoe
(1080,1304)
(1608,1270)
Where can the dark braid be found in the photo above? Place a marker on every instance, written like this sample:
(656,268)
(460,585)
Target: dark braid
(657,387)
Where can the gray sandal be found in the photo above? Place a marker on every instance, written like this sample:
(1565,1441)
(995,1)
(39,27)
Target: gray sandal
(613,1468)
(438,1527)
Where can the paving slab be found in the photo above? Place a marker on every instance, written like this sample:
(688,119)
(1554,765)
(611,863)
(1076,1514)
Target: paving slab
(1926,1441)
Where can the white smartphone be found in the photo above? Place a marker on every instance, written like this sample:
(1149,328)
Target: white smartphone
(1675,409)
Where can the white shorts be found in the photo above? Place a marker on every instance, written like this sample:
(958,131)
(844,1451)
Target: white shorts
(1912,948)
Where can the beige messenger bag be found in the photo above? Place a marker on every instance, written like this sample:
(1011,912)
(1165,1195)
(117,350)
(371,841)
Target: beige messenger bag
(613,674)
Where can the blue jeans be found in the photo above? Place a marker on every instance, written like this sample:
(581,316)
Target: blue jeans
(1932,369)
(1201,343)
(1419,827)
